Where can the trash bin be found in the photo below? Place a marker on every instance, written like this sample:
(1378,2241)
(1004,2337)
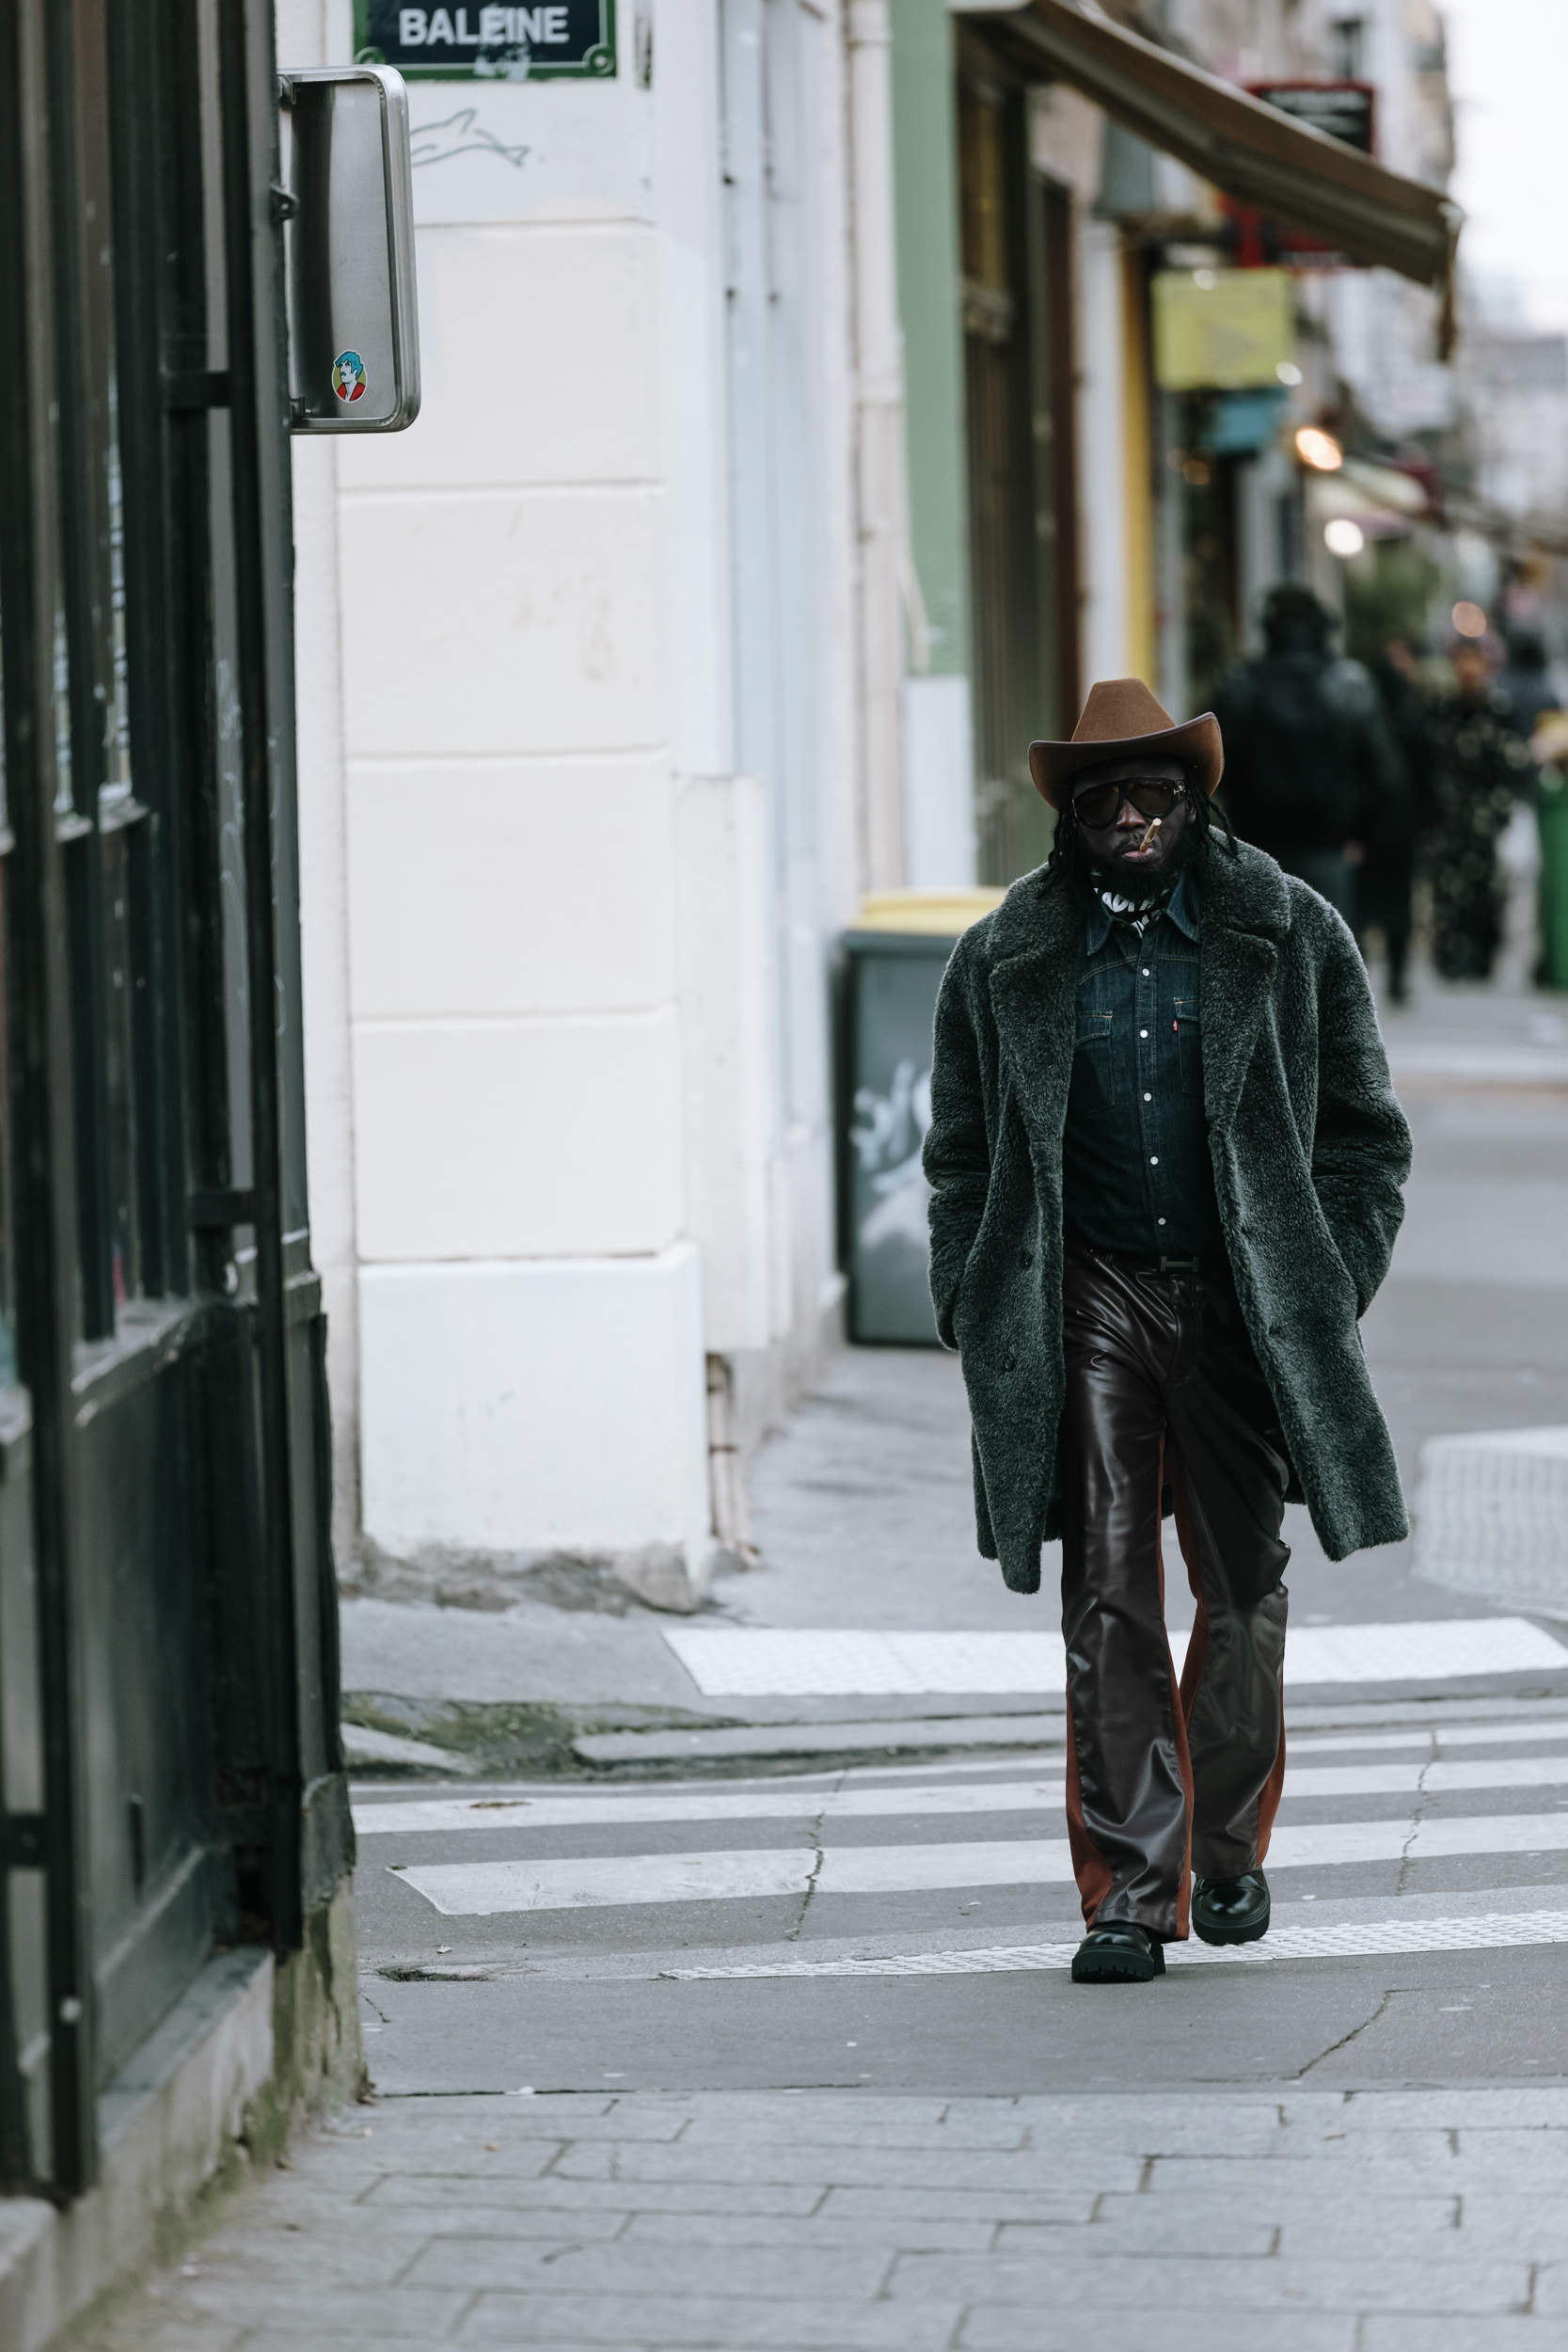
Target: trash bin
(1551,814)
(894,961)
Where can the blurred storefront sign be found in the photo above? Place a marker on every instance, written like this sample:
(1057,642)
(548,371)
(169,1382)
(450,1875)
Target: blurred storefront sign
(1223,329)
(1381,499)
(565,39)
(1361,500)
(1345,111)
(1341,110)
(1241,424)
(1259,154)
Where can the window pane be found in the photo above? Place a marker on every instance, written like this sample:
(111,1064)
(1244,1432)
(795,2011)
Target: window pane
(7,1295)
(119,1064)
(103,785)
(119,811)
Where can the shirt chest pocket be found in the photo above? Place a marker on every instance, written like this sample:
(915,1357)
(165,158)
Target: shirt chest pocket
(1189,1043)
(1094,1074)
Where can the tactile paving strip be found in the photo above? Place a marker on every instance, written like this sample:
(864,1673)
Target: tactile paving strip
(1488,1933)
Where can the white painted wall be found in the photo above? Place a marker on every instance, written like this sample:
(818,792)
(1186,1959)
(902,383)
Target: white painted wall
(938,784)
(555,1364)
(1102,452)
(569,1100)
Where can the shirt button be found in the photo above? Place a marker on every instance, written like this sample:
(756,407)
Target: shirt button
(1159,1220)
(1154,1159)
(1142,1032)
(1146,971)
(1149,1098)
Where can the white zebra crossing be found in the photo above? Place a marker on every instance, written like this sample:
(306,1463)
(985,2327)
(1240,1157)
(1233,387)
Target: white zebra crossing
(472,1890)
(1396,1792)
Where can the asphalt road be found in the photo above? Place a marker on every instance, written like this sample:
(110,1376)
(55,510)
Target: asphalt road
(566,1978)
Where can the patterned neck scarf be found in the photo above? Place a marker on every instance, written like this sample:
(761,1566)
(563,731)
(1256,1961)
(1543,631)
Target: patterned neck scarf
(1133,914)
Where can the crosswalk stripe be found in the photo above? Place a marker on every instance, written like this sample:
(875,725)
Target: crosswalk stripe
(489,1889)
(789,1802)
(804,1662)
(1429,1735)
(780,1801)
(480,1890)
(1490,1931)
(1296,1848)
(1378,1780)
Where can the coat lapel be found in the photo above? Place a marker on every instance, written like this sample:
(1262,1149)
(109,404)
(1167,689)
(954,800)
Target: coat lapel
(1247,911)
(1032,994)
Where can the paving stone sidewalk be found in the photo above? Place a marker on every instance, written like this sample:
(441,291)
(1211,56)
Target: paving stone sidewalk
(1394,2222)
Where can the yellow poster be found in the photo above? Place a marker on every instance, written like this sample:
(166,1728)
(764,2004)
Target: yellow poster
(1221,329)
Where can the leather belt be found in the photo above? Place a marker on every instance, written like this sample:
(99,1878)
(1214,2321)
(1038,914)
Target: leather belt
(1085,1253)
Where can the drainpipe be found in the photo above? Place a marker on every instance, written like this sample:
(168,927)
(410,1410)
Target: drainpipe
(887,593)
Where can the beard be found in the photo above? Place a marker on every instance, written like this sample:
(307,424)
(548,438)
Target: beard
(1133,890)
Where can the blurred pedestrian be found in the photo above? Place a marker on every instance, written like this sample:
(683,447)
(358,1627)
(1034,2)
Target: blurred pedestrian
(1393,826)
(1480,767)
(1311,764)
(1165,1165)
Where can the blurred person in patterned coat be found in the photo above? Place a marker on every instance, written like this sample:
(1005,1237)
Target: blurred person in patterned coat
(1478,770)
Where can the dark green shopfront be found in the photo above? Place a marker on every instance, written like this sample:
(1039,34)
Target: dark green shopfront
(172,1771)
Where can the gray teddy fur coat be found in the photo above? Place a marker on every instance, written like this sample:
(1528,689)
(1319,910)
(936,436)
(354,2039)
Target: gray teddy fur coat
(1310,1148)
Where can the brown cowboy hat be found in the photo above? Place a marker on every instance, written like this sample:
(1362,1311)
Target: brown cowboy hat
(1121,716)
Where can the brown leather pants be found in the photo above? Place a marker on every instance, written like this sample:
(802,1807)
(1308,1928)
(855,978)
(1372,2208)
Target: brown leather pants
(1163,1388)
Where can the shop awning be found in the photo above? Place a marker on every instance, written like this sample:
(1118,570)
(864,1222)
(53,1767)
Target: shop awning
(1264,159)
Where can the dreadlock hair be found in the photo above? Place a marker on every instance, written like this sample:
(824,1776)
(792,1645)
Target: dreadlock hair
(1070,865)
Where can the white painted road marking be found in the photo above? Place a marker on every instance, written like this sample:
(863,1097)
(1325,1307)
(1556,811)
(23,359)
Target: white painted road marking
(1431,1735)
(470,1890)
(782,1800)
(777,1661)
(790,1801)
(1416,1841)
(488,1889)
(1489,1932)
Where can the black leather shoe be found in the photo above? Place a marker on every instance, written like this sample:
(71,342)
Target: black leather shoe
(1231,1910)
(1117,1955)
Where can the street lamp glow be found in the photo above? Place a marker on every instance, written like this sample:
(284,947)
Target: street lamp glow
(1343,537)
(1318,449)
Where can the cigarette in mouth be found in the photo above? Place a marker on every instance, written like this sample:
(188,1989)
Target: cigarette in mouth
(1154,825)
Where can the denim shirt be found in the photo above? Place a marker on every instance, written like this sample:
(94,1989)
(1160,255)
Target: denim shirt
(1136,1175)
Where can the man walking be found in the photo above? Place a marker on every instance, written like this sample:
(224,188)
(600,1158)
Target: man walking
(1165,1165)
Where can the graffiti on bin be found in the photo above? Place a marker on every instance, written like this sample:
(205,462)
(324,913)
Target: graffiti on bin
(888,1144)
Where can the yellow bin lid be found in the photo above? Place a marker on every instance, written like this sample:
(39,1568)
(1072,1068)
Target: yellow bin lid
(943,913)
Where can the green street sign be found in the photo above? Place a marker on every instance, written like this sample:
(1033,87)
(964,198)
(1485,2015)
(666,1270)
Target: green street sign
(562,41)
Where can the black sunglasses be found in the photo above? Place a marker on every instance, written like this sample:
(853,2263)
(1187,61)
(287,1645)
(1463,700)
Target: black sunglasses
(1098,804)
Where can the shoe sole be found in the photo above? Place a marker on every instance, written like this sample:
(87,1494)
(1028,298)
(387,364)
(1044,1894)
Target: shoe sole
(1249,1934)
(1117,1968)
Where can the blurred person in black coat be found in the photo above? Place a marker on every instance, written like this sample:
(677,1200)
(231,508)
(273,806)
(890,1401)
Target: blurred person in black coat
(1311,762)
